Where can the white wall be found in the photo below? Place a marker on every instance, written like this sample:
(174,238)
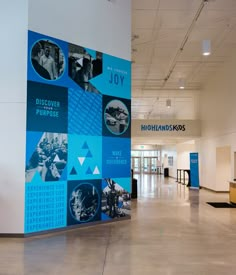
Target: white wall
(180,153)
(218,115)
(183,154)
(207,158)
(13,29)
(169,151)
(98,24)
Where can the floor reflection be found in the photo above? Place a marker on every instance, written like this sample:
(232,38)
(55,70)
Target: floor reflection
(172,231)
(158,186)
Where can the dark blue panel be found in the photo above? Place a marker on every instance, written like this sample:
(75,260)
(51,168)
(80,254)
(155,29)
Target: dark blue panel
(47,108)
(83,202)
(116,117)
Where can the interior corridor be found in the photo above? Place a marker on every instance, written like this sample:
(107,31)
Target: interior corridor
(173,231)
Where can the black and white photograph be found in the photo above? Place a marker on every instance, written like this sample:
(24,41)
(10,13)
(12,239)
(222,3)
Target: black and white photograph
(48,59)
(84,202)
(49,158)
(116,117)
(116,202)
(82,67)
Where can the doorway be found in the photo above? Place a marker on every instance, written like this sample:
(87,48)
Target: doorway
(146,162)
(223,167)
(136,164)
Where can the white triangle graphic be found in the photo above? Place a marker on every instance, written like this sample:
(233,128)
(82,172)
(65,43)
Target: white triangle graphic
(96,171)
(80,61)
(81,160)
(56,159)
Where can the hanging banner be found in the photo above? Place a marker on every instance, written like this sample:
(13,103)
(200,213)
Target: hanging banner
(194,170)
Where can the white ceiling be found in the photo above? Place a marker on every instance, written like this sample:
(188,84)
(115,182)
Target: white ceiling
(160,28)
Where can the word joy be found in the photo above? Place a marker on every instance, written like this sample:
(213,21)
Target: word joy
(116,79)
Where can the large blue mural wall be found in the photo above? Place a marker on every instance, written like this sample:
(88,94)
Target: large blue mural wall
(77,166)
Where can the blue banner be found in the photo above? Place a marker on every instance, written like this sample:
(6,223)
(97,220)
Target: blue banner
(194,170)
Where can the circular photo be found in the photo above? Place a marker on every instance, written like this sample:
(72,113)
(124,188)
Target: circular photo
(84,202)
(116,117)
(47,59)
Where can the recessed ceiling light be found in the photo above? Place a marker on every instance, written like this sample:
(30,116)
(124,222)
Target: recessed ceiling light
(206,47)
(181,84)
(168,103)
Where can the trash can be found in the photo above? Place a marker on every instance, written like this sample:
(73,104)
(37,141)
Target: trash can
(134,193)
(166,172)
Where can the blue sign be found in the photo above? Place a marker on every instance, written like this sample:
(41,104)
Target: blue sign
(116,157)
(116,77)
(194,170)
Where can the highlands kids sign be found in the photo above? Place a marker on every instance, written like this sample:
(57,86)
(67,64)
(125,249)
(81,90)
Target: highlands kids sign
(176,128)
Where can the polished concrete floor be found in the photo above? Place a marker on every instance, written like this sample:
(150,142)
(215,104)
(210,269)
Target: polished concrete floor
(172,232)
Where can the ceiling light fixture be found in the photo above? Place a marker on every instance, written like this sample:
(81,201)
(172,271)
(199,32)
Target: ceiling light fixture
(206,47)
(168,103)
(181,84)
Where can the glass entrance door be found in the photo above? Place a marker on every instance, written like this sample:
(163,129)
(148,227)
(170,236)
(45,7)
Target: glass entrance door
(136,165)
(147,162)
(153,165)
(146,165)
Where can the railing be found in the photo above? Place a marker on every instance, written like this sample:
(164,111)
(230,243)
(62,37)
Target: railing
(181,176)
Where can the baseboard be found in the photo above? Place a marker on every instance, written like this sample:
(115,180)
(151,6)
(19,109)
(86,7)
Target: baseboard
(63,229)
(212,190)
(12,235)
